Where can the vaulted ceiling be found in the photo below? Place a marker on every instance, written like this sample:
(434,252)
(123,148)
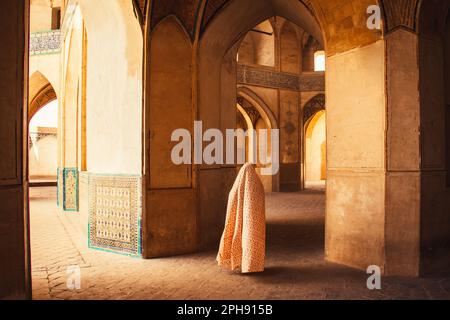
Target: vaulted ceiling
(341,20)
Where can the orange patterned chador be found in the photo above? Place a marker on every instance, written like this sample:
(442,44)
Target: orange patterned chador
(243,241)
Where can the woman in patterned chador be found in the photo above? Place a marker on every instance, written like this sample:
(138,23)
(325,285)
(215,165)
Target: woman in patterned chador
(243,242)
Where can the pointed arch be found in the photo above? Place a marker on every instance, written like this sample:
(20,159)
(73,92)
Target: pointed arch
(264,110)
(313,106)
(170,61)
(41,92)
(169,94)
(268,118)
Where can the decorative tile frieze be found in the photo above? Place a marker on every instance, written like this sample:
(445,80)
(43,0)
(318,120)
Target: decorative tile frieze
(250,75)
(311,82)
(42,43)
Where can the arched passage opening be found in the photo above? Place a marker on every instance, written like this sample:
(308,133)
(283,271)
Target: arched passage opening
(42,131)
(254,114)
(355,116)
(281,88)
(315,150)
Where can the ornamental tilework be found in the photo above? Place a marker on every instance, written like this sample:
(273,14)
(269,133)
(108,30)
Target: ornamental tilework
(45,42)
(70,189)
(272,79)
(115,214)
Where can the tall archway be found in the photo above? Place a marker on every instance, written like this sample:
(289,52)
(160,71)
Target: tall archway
(43,139)
(265,119)
(218,48)
(358,118)
(312,110)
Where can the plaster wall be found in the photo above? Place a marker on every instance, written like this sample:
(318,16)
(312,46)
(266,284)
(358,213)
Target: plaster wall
(41,18)
(70,102)
(114,87)
(42,158)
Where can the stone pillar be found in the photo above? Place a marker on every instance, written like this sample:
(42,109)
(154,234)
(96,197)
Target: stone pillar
(356,135)
(375,197)
(402,249)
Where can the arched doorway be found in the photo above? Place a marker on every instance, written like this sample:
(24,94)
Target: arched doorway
(356,118)
(43,139)
(257,115)
(277,93)
(315,151)
(42,131)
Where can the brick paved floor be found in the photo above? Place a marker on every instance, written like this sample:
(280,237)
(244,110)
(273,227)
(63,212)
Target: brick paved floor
(295,265)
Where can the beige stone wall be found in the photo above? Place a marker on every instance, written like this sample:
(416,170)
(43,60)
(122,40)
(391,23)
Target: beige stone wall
(403,155)
(170,110)
(356,124)
(170,197)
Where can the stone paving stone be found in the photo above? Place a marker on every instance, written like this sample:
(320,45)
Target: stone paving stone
(295,263)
